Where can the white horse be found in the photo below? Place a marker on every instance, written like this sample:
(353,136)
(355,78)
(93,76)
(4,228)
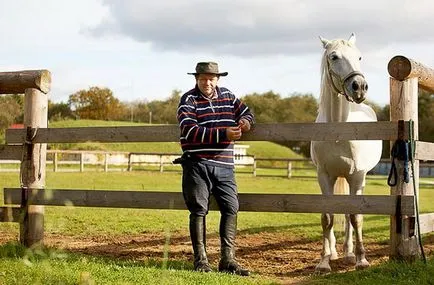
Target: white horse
(343,89)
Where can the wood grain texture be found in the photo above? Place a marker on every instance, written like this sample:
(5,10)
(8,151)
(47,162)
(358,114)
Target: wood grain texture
(17,82)
(11,152)
(424,151)
(426,223)
(170,133)
(402,68)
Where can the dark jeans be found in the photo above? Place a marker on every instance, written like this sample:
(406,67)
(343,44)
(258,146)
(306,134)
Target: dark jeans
(200,180)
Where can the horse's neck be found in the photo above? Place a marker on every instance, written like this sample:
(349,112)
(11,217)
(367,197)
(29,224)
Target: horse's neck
(334,107)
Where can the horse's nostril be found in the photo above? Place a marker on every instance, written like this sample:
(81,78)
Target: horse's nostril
(365,86)
(355,86)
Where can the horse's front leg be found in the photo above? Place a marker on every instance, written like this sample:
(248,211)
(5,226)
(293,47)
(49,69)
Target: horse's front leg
(328,243)
(328,239)
(356,188)
(357,222)
(349,257)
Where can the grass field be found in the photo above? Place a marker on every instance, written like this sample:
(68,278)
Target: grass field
(20,266)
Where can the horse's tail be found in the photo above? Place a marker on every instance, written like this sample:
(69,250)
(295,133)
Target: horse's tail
(341,188)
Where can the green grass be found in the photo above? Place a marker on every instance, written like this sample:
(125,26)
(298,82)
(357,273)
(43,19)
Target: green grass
(85,222)
(49,266)
(389,273)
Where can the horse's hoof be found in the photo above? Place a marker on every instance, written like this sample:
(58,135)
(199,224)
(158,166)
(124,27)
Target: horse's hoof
(349,259)
(362,264)
(323,268)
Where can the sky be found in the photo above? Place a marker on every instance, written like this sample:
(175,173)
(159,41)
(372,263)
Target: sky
(143,50)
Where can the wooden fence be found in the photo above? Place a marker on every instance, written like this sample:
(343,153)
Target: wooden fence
(80,159)
(400,205)
(125,161)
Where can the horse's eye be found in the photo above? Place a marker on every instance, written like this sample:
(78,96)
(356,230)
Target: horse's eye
(334,57)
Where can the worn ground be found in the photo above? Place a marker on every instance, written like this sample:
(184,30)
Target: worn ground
(274,255)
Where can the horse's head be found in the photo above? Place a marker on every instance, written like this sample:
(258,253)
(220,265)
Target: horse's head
(341,63)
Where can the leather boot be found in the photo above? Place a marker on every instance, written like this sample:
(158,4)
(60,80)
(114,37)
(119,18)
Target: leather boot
(198,241)
(228,229)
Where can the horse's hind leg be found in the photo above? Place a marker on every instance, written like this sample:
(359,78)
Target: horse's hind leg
(328,239)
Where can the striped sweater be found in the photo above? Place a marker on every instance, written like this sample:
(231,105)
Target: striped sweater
(203,124)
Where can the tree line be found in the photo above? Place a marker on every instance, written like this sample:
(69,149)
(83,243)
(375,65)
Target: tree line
(98,103)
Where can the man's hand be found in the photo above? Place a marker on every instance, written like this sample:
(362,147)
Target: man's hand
(244,125)
(233,133)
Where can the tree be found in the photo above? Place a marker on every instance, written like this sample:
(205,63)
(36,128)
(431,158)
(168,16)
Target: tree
(164,112)
(11,107)
(59,111)
(264,106)
(426,116)
(96,104)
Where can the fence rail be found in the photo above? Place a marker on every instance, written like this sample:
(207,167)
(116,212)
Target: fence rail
(384,130)
(296,203)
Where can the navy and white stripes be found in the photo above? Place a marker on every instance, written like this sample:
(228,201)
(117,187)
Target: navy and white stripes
(203,124)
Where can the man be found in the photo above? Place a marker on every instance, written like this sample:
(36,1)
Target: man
(211,118)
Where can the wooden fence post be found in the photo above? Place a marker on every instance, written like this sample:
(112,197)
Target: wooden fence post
(403,233)
(289,169)
(55,161)
(33,165)
(161,163)
(106,159)
(81,161)
(130,165)
(254,167)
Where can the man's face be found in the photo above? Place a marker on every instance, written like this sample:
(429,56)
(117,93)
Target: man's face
(207,83)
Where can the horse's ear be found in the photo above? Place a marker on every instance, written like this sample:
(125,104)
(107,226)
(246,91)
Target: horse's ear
(352,39)
(324,41)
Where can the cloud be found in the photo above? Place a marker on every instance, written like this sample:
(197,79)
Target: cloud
(252,28)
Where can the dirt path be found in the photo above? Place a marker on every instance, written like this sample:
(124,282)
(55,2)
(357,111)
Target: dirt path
(273,255)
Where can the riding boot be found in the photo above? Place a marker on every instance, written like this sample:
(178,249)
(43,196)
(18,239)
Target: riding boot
(228,229)
(198,241)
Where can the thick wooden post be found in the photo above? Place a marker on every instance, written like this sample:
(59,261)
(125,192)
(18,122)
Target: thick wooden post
(403,231)
(33,167)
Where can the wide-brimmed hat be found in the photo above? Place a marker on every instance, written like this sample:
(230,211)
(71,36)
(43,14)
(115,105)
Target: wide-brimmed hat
(208,68)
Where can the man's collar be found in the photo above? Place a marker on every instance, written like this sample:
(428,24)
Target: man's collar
(214,96)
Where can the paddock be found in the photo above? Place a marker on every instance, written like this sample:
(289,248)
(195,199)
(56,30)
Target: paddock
(30,145)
